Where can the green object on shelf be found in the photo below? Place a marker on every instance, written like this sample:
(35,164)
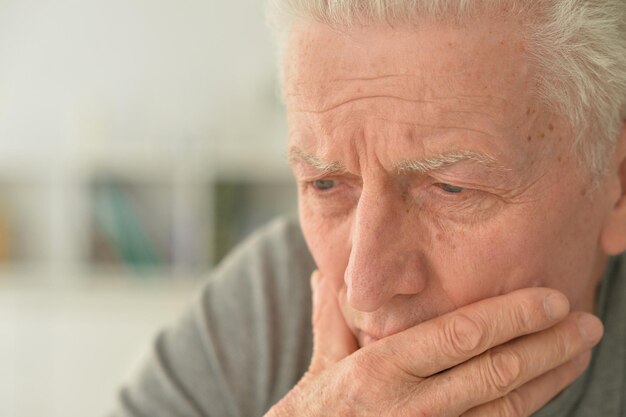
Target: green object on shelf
(122,225)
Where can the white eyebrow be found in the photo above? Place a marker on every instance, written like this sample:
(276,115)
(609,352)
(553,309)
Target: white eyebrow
(444,160)
(326,167)
(421,165)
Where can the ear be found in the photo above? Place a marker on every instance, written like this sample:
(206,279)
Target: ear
(613,235)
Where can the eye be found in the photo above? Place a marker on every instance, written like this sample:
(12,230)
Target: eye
(451,189)
(324,185)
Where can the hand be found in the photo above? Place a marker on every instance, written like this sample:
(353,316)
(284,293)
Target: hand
(503,356)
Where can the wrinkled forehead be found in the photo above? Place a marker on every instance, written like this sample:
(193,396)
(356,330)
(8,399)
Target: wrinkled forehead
(485,65)
(412,88)
(490,51)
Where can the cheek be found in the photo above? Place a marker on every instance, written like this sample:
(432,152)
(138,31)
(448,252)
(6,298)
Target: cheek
(328,241)
(550,247)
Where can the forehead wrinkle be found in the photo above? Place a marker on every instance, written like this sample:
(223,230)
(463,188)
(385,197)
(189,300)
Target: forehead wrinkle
(438,127)
(445,160)
(352,78)
(335,106)
(327,167)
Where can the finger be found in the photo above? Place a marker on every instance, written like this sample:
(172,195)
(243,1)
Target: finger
(530,397)
(441,343)
(504,368)
(332,339)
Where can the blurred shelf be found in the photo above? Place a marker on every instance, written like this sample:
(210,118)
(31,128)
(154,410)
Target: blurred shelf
(119,216)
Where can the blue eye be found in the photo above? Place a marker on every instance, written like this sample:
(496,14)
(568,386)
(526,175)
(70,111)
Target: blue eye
(323,185)
(452,189)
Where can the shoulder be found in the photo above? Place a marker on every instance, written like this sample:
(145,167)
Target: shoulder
(252,317)
(277,247)
(274,263)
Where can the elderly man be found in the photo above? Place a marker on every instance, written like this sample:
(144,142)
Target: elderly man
(462,188)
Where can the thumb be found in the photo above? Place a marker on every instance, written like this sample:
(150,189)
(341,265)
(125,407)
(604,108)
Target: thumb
(332,339)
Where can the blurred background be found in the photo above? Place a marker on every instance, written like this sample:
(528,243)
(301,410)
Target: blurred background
(139,141)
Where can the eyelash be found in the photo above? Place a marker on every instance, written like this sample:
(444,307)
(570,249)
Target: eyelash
(450,188)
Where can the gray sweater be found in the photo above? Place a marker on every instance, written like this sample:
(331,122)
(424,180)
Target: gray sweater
(246,341)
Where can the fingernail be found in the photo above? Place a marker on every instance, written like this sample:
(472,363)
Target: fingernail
(590,328)
(556,306)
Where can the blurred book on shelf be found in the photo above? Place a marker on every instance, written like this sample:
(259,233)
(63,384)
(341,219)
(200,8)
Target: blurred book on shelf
(22,229)
(134,224)
(131,224)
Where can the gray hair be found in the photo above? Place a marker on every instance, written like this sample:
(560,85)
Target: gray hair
(578,47)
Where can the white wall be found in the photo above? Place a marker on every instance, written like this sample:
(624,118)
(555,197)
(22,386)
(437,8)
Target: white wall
(129,70)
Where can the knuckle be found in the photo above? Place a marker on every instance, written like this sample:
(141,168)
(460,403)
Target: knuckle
(463,335)
(502,371)
(566,340)
(524,317)
(363,368)
(371,367)
(512,405)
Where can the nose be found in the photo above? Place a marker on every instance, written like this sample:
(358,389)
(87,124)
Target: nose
(385,258)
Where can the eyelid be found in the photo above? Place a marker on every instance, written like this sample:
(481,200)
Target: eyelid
(456,189)
(339,177)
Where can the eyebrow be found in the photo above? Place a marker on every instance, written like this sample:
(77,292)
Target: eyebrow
(419,165)
(326,167)
(444,160)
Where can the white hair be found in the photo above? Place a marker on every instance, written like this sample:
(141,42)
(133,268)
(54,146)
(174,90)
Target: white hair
(578,47)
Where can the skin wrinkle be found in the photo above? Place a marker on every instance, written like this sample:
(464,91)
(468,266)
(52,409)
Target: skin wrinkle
(507,185)
(443,127)
(510,190)
(470,112)
(433,100)
(355,99)
(507,194)
(373,78)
